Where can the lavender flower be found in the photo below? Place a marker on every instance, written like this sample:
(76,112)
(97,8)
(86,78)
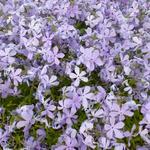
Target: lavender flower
(113,129)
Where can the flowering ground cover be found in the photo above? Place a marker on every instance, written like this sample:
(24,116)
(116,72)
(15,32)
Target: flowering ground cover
(75,74)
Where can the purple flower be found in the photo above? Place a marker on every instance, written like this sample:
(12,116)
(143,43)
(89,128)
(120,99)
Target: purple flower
(98,113)
(85,95)
(16,76)
(120,111)
(90,58)
(5,89)
(113,129)
(7,54)
(55,55)
(47,39)
(26,113)
(101,94)
(89,141)
(69,116)
(73,102)
(45,80)
(104,143)
(70,144)
(49,109)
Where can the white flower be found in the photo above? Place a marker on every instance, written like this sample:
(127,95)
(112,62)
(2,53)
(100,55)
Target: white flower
(78,76)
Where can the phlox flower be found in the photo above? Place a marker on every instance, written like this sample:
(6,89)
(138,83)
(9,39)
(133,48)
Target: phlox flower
(114,129)
(26,113)
(78,76)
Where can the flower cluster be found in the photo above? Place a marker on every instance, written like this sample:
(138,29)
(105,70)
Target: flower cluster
(75,74)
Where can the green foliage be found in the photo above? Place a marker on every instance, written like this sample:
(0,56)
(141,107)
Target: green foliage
(25,98)
(134,142)
(129,122)
(55,92)
(135,119)
(16,142)
(81,26)
(81,117)
(94,80)
(52,136)
(97,106)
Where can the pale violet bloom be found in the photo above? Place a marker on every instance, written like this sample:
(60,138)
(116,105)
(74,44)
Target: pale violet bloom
(65,31)
(121,112)
(114,129)
(100,96)
(126,64)
(35,26)
(85,96)
(93,21)
(7,55)
(89,141)
(104,143)
(16,76)
(49,109)
(55,55)
(120,146)
(78,76)
(70,144)
(45,79)
(85,126)
(90,58)
(69,116)
(26,113)
(97,113)
(73,102)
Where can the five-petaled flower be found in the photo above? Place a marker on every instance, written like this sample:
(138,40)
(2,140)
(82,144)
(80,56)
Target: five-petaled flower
(79,76)
(113,129)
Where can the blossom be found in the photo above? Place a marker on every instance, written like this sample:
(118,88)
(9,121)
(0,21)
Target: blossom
(101,94)
(16,76)
(113,129)
(46,80)
(120,111)
(104,142)
(120,146)
(89,141)
(90,58)
(5,89)
(47,40)
(66,31)
(85,126)
(49,109)
(78,76)
(85,95)
(69,116)
(7,55)
(73,102)
(97,113)
(67,74)
(26,112)
(55,55)
(70,143)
